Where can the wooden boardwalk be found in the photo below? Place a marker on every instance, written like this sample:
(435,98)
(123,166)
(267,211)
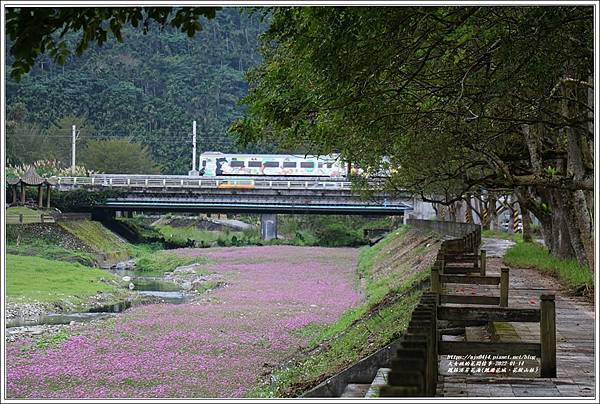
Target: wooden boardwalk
(575,344)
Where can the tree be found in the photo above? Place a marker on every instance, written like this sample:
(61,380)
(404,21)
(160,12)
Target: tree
(452,97)
(25,143)
(118,156)
(150,87)
(36,31)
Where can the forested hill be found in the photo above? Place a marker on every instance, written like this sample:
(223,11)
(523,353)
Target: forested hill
(150,88)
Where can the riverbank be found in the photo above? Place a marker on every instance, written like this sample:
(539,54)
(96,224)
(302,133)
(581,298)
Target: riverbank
(36,286)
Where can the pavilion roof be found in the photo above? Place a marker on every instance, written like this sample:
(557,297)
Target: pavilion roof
(31,177)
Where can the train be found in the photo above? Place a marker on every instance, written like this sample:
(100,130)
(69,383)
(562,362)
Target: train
(222,164)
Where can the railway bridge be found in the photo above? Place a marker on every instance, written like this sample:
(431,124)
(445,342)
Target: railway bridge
(264,195)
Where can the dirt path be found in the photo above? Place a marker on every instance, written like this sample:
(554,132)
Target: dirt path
(221,346)
(575,322)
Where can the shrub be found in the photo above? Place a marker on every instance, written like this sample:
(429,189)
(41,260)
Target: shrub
(336,235)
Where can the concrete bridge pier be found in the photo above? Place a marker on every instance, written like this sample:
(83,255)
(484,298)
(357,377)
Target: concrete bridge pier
(268,226)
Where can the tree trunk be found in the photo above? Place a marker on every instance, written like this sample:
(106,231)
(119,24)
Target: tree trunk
(579,160)
(575,235)
(584,223)
(562,247)
(489,211)
(526,221)
(530,201)
(452,212)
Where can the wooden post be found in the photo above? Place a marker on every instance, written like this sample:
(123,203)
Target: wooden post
(435,280)
(22,194)
(40,194)
(504,287)
(48,196)
(483,263)
(548,336)
(20,218)
(422,327)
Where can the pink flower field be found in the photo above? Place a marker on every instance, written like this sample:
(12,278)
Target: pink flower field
(218,347)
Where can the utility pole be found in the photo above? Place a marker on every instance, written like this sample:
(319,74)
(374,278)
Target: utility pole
(193,171)
(194,142)
(73,139)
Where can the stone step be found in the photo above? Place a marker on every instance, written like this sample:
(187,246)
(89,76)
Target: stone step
(355,390)
(380,380)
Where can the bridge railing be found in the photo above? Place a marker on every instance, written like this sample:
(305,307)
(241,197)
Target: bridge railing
(178,182)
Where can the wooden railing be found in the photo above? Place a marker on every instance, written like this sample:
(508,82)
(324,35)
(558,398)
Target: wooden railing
(22,218)
(415,370)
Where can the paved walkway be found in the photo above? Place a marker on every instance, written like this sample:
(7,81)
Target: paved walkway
(575,343)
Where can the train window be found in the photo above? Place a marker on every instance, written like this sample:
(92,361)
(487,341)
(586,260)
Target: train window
(254,164)
(203,163)
(307,164)
(320,165)
(271,164)
(236,163)
(289,164)
(329,165)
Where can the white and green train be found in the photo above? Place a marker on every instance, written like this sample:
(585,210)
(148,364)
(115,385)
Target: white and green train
(217,164)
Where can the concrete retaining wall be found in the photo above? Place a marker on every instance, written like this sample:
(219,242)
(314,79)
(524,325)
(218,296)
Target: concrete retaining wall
(453,229)
(363,371)
(62,217)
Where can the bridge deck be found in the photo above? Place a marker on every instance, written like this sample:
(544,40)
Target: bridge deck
(239,194)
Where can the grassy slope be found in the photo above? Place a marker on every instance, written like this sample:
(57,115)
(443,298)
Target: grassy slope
(98,238)
(43,249)
(48,241)
(159,262)
(567,271)
(18,210)
(388,270)
(29,215)
(31,279)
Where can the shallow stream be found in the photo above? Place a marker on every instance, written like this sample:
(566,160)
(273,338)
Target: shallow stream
(151,289)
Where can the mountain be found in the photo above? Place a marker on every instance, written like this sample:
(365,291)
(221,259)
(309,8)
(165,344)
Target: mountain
(148,88)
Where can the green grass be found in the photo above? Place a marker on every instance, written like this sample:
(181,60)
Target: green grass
(98,237)
(30,279)
(49,251)
(159,262)
(22,210)
(29,215)
(378,287)
(350,346)
(533,255)
(503,235)
(138,225)
(359,331)
(53,341)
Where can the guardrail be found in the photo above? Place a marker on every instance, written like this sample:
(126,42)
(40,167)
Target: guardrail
(163,182)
